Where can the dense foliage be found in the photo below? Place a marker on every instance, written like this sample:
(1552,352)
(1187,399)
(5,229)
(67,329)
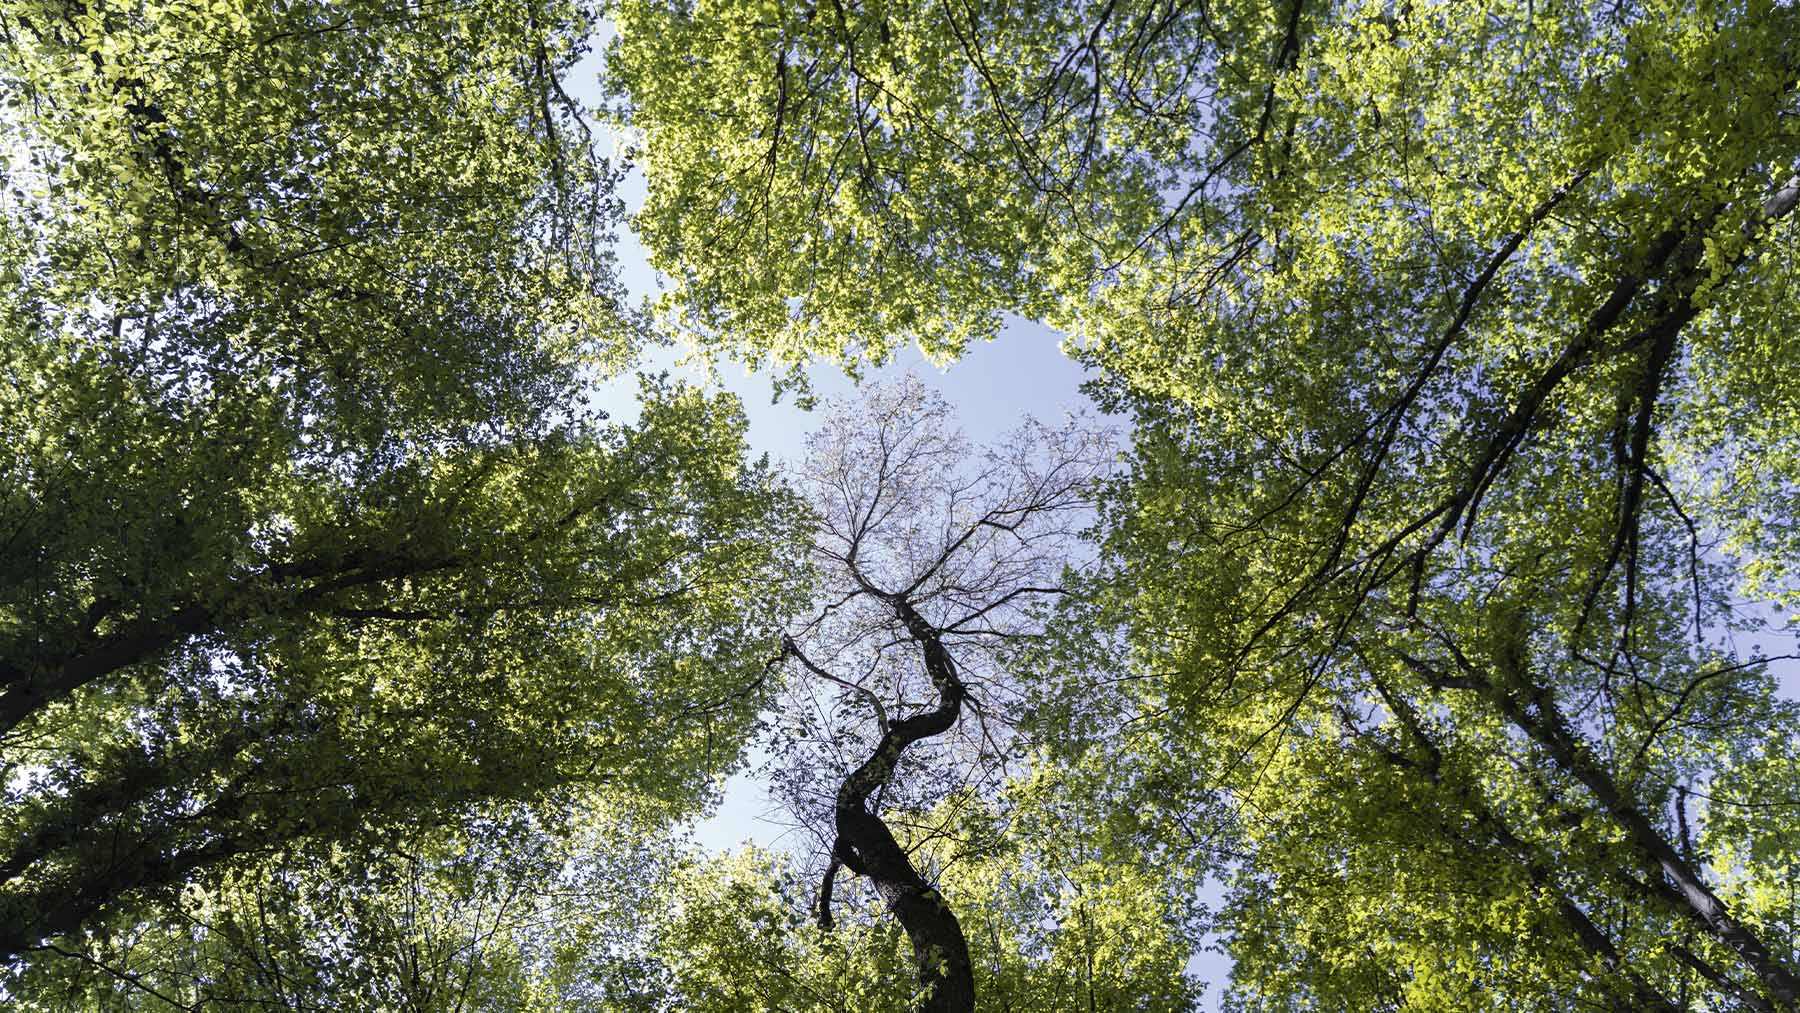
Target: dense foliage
(350,658)
(1456,342)
(308,542)
(1048,929)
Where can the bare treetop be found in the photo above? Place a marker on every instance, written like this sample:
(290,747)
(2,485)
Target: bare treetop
(971,536)
(932,554)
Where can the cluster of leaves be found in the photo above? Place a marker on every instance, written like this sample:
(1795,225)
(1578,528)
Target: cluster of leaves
(496,913)
(882,172)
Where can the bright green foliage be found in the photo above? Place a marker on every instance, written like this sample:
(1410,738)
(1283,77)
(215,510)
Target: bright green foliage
(1050,925)
(540,619)
(504,915)
(1457,341)
(835,179)
(499,914)
(739,939)
(305,535)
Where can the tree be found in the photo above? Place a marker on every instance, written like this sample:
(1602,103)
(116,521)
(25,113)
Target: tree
(1448,338)
(930,556)
(307,537)
(914,170)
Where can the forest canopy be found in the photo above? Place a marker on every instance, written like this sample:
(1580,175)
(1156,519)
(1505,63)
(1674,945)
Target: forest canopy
(311,549)
(1424,642)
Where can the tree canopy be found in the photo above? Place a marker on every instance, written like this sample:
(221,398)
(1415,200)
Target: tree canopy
(309,539)
(350,657)
(1454,339)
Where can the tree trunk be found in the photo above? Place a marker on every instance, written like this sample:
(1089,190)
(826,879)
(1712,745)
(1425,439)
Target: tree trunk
(866,847)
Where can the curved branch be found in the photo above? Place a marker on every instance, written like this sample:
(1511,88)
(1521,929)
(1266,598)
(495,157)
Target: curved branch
(788,645)
(867,847)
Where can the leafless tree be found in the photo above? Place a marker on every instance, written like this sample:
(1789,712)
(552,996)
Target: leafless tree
(933,556)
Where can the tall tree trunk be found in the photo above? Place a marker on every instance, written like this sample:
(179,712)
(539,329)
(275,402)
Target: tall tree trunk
(866,846)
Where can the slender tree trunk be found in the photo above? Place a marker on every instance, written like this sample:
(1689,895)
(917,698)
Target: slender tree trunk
(866,846)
